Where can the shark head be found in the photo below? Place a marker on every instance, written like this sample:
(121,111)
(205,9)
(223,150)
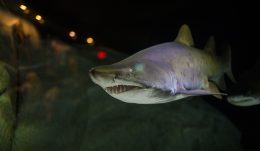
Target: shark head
(136,80)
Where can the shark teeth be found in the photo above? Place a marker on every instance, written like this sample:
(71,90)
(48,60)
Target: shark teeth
(121,88)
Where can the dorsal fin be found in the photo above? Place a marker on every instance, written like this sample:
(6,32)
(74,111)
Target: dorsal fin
(184,36)
(210,45)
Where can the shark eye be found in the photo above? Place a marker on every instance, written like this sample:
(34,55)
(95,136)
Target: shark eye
(139,67)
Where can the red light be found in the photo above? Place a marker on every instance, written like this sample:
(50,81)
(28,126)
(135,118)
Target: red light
(101,55)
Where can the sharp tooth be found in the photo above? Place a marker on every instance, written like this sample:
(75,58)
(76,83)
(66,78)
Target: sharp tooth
(108,90)
(123,88)
(114,89)
(119,89)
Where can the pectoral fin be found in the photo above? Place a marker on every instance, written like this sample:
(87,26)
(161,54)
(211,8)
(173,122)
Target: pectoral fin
(243,100)
(212,90)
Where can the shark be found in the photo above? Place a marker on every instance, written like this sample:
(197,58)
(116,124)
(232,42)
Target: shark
(166,72)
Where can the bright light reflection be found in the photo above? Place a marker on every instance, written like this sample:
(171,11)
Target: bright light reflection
(90,40)
(72,34)
(38,17)
(23,7)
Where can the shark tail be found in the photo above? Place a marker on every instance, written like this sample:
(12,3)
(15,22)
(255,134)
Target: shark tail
(227,64)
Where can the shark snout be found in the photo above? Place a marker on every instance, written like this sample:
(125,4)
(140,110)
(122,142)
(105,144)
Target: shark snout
(102,72)
(92,72)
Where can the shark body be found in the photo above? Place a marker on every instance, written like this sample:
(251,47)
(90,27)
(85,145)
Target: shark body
(165,72)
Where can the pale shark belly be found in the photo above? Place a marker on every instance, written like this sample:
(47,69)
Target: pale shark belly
(148,96)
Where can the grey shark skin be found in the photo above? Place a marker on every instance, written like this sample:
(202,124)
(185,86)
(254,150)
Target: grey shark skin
(165,72)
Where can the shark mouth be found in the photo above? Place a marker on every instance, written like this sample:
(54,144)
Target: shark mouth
(121,88)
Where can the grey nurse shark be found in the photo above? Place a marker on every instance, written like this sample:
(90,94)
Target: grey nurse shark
(166,72)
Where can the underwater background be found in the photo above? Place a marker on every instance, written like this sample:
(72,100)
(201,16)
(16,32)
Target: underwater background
(48,102)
